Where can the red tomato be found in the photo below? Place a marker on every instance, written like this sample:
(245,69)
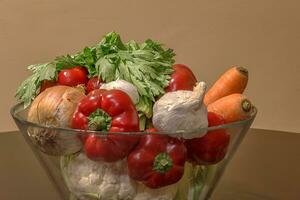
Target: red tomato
(73,76)
(182,79)
(212,147)
(93,83)
(151,130)
(46,84)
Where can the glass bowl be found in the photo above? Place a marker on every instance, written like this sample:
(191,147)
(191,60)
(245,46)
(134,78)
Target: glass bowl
(78,178)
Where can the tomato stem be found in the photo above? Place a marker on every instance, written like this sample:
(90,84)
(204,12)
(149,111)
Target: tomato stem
(162,163)
(99,120)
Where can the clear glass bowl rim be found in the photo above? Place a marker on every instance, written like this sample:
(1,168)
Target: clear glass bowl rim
(14,113)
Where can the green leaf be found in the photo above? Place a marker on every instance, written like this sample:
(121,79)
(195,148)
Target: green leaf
(198,181)
(146,65)
(29,89)
(132,45)
(145,106)
(65,62)
(106,69)
(202,175)
(111,43)
(48,72)
(87,58)
(142,121)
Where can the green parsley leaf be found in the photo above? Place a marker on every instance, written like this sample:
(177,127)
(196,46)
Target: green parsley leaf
(105,69)
(145,106)
(146,65)
(29,89)
(65,62)
(87,58)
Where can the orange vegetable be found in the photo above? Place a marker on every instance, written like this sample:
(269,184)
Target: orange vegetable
(232,81)
(232,108)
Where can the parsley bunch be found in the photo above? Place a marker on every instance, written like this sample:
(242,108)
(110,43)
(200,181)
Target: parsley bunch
(29,89)
(146,65)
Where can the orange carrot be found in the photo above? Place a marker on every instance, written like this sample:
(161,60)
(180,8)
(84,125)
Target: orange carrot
(232,81)
(232,108)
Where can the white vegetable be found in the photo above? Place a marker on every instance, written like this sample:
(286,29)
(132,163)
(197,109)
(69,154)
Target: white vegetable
(98,180)
(181,110)
(89,180)
(125,86)
(164,193)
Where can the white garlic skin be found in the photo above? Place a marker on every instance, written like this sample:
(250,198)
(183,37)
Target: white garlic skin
(125,86)
(181,110)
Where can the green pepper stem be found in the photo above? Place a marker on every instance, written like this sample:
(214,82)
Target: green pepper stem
(162,163)
(99,120)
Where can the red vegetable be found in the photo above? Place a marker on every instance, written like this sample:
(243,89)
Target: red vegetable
(73,76)
(46,84)
(151,130)
(212,147)
(182,79)
(157,161)
(112,111)
(93,83)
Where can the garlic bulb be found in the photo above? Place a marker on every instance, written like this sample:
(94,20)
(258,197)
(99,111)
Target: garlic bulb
(125,86)
(55,107)
(181,110)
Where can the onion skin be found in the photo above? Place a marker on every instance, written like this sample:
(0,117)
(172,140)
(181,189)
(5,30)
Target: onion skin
(55,107)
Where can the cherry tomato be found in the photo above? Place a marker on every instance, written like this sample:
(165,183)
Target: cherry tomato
(73,76)
(212,147)
(181,79)
(93,83)
(46,84)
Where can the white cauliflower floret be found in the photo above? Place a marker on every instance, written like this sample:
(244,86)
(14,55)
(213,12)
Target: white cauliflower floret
(98,180)
(164,193)
(90,180)
(124,190)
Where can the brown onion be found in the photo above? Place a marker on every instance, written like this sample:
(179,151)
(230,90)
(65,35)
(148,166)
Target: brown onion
(54,107)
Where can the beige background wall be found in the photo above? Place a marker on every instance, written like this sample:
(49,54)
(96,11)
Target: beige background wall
(209,36)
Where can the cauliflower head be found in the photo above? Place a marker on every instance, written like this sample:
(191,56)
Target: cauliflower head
(90,180)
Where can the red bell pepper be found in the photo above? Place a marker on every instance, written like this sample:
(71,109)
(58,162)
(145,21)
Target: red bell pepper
(73,76)
(157,161)
(181,79)
(212,147)
(93,84)
(107,111)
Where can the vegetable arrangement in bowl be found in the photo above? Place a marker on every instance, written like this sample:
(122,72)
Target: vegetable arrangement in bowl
(128,123)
